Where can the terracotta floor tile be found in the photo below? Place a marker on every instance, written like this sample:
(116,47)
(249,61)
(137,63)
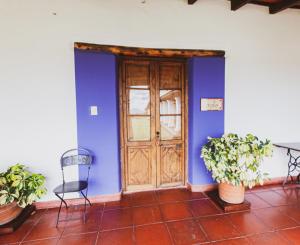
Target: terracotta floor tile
(50,217)
(94,209)
(116,237)
(44,231)
(19,234)
(52,241)
(255,201)
(143,198)
(247,223)
(292,211)
(78,226)
(186,232)
(262,188)
(203,207)
(117,218)
(156,234)
(293,235)
(51,214)
(218,227)
(173,195)
(197,195)
(125,202)
(274,187)
(146,215)
(292,196)
(238,241)
(273,198)
(37,215)
(46,227)
(273,218)
(175,211)
(270,238)
(86,239)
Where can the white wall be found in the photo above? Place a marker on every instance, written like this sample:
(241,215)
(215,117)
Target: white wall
(37,88)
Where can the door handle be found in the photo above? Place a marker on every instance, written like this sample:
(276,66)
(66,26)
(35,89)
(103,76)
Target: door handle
(157,135)
(157,138)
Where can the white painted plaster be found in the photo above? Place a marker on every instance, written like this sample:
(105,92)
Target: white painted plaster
(37,88)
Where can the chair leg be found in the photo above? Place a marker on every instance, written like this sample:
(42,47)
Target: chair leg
(85,200)
(61,201)
(84,215)
(85,197)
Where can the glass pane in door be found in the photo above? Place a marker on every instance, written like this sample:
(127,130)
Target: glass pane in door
(139,128)
(139,102)
(170,127)
(170,102)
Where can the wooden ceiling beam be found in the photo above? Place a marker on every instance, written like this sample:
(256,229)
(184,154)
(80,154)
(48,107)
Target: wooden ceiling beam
(151,52)
(280,6)
(236,4)
(191,1)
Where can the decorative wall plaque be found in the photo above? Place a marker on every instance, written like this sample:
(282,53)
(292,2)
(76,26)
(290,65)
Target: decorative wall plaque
(212,104)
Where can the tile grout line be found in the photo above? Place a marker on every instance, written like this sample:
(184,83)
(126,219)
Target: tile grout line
(164,222)
(133,225)
(133,235)
(278,228)
(99,228)
(35,223)
(202,229)
(100,224)
(266,200)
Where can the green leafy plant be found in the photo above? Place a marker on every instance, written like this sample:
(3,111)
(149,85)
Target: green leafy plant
(236,160)
(20,185)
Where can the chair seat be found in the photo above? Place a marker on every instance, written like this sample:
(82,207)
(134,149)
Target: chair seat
(72,186)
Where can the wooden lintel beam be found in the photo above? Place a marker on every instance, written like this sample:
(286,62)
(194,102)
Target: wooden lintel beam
(280,6)
(152,52)
(236,4)
(191,1)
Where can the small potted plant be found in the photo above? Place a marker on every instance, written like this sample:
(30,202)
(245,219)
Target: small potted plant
(18,188)
(235,163)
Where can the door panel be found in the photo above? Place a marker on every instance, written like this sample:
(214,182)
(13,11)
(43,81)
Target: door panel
(138,115)
(170,75)
(139,169)
(171,166)
(152,123)
(170,122)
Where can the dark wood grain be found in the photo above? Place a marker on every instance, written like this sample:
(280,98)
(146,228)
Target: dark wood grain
(191,1)
(228,207)
(151,52)
(236,4)
(280,6)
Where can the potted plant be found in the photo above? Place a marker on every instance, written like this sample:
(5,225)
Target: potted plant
(18,188)
(235,163)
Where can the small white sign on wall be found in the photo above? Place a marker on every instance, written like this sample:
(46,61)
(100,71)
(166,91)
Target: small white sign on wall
(93,110)
(212,104)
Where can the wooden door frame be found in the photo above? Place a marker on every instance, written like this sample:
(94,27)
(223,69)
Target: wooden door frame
(121,114)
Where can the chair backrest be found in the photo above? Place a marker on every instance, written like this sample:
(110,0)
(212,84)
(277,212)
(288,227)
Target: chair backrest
(77,156)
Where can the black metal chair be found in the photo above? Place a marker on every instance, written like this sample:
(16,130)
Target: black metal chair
(78,156)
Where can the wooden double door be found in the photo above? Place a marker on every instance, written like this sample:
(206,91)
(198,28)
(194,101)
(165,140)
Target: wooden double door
(153,133)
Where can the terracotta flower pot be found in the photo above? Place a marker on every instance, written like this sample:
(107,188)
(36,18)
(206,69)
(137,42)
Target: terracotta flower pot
(231,194)
(9,212)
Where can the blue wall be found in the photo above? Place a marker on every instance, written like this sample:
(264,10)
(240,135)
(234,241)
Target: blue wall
(96,84)
(206,80)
